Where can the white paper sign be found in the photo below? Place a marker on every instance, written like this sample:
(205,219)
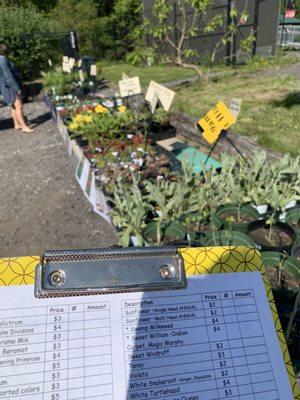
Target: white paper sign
(82,172)
(153,102)
(66,67)
(235,107)
(214,340)
(130,87)
(93,70)
(165,95)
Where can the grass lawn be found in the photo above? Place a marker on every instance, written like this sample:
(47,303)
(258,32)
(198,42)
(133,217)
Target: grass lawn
(271,105)
(158,73)
(270,110)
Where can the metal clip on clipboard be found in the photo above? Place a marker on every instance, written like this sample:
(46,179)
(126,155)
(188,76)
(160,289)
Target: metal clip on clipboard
(112,270)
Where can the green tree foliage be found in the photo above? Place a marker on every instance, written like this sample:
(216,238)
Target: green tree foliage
(194,18)
(104,27)
(105,7)
(41,5)
(112,34)
(79,16)
(21,28)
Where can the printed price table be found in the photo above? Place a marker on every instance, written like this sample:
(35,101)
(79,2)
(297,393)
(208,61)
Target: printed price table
(213,340)
(216,337)
(59,352)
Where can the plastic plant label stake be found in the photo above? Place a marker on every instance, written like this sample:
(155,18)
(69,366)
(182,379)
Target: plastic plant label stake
(93,70)
(235,107)
(217,119)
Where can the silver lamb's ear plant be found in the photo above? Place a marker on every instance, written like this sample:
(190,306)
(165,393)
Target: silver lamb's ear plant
(214,188)
(130,210)
(168,199)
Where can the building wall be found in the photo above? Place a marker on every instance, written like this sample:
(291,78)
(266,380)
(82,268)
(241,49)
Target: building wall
(266,33)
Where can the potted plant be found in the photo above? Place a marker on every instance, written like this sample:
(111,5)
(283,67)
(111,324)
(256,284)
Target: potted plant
(256,180)
(283,271)
(284,275)
(129,211)
(293,219)
(167,199)
(199,215)
(160,127)
(235,215)
(270,233)
(228,238)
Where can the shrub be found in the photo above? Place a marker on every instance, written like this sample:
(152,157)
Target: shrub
(22,28)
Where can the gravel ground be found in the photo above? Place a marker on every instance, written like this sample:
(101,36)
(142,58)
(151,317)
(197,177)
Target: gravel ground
(41,204)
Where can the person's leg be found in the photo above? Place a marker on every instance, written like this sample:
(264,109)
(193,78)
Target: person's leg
(19,115)
(15,119)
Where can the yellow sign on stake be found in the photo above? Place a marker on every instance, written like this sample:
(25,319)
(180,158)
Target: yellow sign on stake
(217,119)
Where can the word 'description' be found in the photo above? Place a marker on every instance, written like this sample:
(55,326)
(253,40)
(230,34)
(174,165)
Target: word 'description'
(217,119)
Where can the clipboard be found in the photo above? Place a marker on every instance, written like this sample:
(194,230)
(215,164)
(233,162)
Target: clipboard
(197,261)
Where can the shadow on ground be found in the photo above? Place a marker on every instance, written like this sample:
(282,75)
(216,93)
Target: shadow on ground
(41,119)
(7,123)
(290,100)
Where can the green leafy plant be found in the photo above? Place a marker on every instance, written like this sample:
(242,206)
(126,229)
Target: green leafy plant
(22,27)
(195,17)
(162,117)
(169,200)
(62,82)
(129,211)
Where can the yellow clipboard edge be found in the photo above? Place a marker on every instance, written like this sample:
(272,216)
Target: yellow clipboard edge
(201,260)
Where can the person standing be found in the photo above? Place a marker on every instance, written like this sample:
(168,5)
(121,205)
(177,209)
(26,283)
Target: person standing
(11,89)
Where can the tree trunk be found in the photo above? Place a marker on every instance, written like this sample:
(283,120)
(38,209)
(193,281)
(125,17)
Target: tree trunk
(191,66)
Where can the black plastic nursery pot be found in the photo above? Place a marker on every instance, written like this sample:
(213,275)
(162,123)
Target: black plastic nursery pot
(293,219)
(169,233)
(228,238)
(285,294)
(81,142)
(283,236)
(247,215)
(183,243)
(161,132)
(192,229)
(289,271)
(296,251)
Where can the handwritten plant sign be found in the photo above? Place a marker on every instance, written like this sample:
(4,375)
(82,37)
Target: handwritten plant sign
(130,87)
(159,92)
(217,119)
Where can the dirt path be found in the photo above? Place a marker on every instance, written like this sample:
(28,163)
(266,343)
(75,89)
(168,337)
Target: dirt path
(41,204)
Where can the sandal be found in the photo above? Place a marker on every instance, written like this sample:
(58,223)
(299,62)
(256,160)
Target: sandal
(27,130)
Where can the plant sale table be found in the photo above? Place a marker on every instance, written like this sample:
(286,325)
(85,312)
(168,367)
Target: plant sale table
(220,338)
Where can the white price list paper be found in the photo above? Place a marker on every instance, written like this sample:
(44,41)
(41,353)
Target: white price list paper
(214,340)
